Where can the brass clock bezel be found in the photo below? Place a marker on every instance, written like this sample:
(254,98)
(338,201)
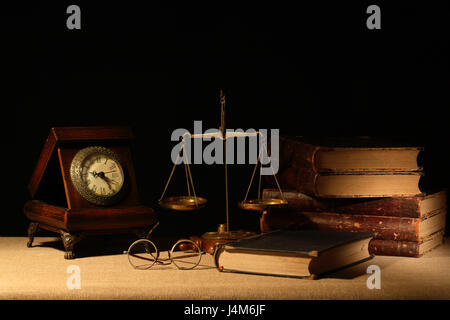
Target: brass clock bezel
(80,186)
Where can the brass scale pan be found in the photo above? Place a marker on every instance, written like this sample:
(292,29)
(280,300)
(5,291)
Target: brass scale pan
(191,203)
(183,203)
(262,204)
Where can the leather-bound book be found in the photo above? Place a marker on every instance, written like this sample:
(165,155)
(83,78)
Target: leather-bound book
(384,227)
(406,248)
(404,226)
(411,206)
(360,167)
(294,253)
(358,154)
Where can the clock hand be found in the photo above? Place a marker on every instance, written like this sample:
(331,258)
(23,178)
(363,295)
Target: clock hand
(111,180)
(101,174)
(107,182)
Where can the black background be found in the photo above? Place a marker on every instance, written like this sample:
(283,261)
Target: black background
(308,69)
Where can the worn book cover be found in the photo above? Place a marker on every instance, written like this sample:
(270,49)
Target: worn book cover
(384,227)
(351,154)
(294,253)
(411,206)
(362,167)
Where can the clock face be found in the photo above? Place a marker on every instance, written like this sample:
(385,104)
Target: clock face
(98,175)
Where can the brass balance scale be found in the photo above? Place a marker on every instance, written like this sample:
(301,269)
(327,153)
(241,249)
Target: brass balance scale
(190,202)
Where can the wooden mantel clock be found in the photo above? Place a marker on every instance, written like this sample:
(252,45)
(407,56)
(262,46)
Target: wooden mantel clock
(99,184)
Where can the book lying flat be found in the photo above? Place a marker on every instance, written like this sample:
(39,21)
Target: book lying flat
(351,154)
(406,248)
(411,207)
(385,227)
(356,184)
(362,168)
(294,253)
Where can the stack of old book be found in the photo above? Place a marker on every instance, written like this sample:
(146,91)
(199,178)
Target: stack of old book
(359,185)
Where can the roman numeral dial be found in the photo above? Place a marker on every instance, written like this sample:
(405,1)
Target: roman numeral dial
(97,174)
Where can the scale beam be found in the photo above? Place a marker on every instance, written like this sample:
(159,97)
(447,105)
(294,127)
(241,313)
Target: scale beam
(219,135)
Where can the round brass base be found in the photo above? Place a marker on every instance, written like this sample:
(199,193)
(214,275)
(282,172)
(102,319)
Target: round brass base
(209,240)
(228,235)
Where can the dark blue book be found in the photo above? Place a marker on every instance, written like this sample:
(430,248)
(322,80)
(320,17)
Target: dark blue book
(294,253)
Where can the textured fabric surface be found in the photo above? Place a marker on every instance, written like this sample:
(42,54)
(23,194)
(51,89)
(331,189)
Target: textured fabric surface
(41,272)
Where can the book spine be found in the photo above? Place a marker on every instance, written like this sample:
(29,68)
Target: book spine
(386,228)
(393,206)
(298,171)
(297,153)
(394,248)
(300,179)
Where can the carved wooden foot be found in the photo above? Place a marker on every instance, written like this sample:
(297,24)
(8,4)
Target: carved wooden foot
(69,241)
(32,228)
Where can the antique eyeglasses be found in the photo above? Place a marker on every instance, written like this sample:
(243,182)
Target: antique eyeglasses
(144,254)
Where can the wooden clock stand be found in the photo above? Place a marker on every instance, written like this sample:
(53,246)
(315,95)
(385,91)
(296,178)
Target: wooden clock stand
(80,217)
